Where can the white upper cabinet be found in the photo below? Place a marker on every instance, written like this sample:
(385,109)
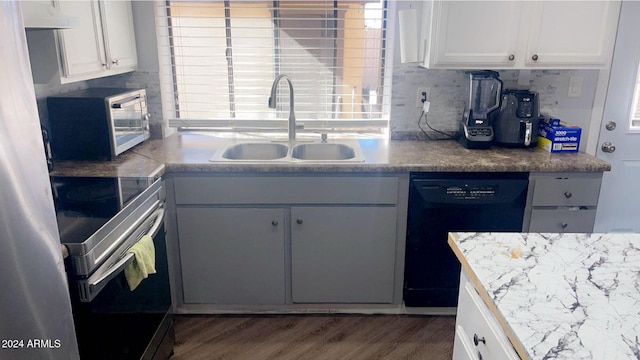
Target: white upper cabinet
(82,48)
(119,35)
(564,34)
(102,44)
(519,34)
(471,33)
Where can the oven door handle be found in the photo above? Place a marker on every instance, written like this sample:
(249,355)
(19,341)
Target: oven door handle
(96,285)
(159,216)
(124,104)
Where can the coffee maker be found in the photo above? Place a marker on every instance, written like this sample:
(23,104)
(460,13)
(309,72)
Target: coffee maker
(516,122)
(485,89)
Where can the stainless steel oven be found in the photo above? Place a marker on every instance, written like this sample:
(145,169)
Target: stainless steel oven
(99,219)
(97,123)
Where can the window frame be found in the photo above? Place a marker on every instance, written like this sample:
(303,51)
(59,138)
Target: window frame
(375,127)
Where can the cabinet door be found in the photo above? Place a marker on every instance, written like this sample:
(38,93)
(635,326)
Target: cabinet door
(343,254)
(474,34)
(232,255)
(572,33)
(119,35)
(82,48)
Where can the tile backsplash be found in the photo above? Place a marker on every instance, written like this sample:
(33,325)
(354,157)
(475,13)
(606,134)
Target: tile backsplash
(447,91)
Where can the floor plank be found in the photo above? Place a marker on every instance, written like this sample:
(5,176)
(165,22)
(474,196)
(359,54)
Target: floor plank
(314,337)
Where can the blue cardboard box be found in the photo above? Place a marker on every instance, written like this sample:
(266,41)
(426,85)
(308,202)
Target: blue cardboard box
(557,136)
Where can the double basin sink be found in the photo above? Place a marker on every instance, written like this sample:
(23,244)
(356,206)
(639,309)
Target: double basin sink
(342,151)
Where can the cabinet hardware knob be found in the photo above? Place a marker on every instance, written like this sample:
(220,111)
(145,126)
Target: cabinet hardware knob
(299,221)
(534,57)
(568,194)
(116,62)
(274,223)
(564,225)
(477,340)
(512,57)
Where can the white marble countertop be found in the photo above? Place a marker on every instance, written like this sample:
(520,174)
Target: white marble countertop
(559,296)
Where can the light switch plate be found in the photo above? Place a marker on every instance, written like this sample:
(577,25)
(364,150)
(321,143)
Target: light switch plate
(575,86)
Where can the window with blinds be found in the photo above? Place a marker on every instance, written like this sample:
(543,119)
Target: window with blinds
(219,60)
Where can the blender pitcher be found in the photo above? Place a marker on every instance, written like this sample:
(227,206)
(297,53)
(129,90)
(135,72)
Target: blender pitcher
(485,90)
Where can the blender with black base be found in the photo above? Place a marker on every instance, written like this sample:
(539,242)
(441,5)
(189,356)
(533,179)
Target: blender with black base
(485,89)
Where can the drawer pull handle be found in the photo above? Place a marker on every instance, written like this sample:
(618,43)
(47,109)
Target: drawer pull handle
(477,340)
(567,194)
(299,221)
(564,225)
(274,223)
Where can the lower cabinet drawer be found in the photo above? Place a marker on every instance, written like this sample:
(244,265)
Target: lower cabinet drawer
(572,191)
(462,348)
(562,220)
(480,335)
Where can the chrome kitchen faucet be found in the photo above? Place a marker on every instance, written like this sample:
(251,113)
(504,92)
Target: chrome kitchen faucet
(273,102)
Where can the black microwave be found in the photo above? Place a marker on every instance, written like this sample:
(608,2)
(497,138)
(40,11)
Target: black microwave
(97,123)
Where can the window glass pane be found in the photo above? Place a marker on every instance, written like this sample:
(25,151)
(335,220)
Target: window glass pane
(225,55)
(253,62)
(199,70)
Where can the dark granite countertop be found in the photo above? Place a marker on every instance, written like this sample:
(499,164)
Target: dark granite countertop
(190,152)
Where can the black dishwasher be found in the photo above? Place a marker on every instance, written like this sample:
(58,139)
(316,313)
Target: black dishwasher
(444,202)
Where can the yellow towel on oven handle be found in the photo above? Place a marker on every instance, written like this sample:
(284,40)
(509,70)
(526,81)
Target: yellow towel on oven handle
(143,264)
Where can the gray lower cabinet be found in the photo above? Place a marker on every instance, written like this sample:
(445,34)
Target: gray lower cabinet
(343,254)
(232,256)
(562,202)
(287,239)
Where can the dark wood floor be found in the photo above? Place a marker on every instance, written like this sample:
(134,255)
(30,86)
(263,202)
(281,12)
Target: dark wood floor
(314,337)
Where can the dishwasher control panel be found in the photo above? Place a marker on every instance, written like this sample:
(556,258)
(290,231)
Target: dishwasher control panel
(470,192)
(454,191)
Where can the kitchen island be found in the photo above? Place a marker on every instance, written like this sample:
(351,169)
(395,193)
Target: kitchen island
(560,296)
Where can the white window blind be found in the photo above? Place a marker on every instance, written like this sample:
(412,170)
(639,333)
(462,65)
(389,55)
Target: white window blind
(219,59)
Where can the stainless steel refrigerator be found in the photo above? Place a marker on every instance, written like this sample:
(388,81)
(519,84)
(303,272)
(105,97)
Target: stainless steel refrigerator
(35,309)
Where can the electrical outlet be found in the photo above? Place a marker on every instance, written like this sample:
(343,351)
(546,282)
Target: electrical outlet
(421,96)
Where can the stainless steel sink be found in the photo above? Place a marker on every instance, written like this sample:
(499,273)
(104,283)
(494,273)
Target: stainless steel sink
(323,151)
(255,151)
